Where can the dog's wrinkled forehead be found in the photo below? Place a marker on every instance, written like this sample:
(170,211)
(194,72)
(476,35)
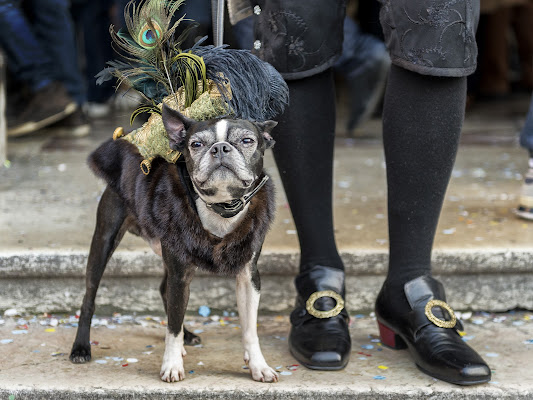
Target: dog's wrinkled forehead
(221,130)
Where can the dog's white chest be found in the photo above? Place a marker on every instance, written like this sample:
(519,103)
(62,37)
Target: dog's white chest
(216,224)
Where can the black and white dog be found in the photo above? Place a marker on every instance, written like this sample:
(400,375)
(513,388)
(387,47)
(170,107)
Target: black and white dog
(210,212)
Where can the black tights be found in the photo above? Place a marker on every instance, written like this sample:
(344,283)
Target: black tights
(422,121)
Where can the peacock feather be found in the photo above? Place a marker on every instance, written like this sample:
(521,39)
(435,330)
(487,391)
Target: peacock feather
(203,82)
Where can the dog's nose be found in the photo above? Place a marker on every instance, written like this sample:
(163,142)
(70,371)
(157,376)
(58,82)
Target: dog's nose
(220,149)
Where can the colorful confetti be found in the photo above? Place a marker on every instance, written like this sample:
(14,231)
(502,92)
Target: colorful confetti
(204,311)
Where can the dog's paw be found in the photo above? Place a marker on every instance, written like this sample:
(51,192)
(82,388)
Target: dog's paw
(80,354)
(190,339)
(172,372)
(263,373)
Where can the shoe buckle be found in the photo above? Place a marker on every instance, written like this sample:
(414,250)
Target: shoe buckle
(310,304)
(441,323)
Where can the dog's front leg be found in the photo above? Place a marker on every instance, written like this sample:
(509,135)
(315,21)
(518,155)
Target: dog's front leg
(178,280)
(110,228)
(248,286)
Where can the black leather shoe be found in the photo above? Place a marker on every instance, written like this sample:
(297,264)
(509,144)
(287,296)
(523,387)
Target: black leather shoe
(319,337)
(429,332)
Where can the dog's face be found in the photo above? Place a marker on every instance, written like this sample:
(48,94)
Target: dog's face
(224,156)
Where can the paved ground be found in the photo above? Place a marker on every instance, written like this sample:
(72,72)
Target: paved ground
(127,353)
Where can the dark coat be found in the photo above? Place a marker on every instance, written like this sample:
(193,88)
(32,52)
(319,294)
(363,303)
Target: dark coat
(299,38)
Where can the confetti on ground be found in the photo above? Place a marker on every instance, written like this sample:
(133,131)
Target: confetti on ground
(364,354)
(101,361)
(285,373)
(245,367)
(450,231)
(492,354)
(200,363)
(94,343)
(375,340)
(197,331)
(125,365)
(363,358)
(279,367)
(10,312)
(50,330)
(147,352)
(291,232)
(518,323)
(6,341)
(367,346)
(383,367)
(379,377)
(478,321)
(204,311)
(293,367)
(467,338)
(191,371)
(529,341)
(20,332)
(117,358)
(149,346)
(57,354)
(132,360)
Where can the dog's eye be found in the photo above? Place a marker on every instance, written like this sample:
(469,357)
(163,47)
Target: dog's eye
(196,144)
(247,140)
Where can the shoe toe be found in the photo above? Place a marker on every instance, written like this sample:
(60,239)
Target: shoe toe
(476,373)
(327,359)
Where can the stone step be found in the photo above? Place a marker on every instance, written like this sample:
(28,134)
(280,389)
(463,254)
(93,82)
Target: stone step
(495,292)
(35,365)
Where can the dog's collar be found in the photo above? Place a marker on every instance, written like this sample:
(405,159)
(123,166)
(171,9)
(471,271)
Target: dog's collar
(225,210)
(235,206)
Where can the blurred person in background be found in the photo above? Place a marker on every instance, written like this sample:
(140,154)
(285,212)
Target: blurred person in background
(505,25)
(525,206)
(37,37)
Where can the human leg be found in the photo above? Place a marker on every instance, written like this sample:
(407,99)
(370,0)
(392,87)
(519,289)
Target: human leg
(422,120)
(48,101)
(53,27)
(525,207)
(304,156)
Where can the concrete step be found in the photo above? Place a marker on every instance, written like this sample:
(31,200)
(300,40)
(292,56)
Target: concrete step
(35,365)
(129,286)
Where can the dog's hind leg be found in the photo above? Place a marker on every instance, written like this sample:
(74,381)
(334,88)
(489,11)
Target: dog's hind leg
(110,229)
(177,294)
(189,338)
(247,288)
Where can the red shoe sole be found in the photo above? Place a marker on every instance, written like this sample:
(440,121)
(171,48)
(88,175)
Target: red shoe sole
(389,338)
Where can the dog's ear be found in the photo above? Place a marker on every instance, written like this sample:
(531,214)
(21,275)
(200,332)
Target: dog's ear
(266,127)
(176,126)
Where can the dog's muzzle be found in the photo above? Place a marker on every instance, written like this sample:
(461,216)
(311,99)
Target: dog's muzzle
(233,207)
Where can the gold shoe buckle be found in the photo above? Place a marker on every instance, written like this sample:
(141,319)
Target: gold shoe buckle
(310,304)
(441,323)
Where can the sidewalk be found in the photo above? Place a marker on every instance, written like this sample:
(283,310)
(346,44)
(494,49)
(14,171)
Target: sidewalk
(127,353)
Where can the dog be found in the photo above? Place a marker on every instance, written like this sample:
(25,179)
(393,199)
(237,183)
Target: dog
(210,211)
